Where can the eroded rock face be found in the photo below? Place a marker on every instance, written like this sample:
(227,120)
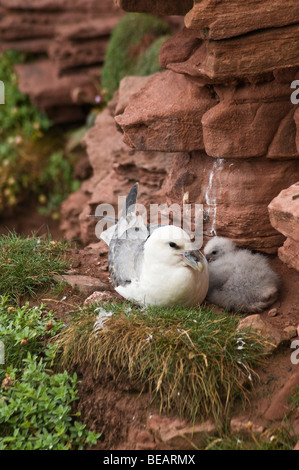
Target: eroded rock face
(296,119)
(284,216)
(62,98)
(233,191)
(251,120)
(81,44)
(174,113)
(236,64)
(73,36)
(217,128)
(165,7)
(234,195)
(226,19)
(236,58)
(284,212)
(165,115)
(33,22)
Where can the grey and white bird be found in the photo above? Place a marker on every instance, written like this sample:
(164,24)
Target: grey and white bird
(154,265)
(240,280)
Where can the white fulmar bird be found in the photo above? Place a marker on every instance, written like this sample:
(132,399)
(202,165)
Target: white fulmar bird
(239,279)
(154,265)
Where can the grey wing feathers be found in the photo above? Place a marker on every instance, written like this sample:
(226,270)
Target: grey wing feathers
(125,260)
(126,248)
(130,200)
(126,253)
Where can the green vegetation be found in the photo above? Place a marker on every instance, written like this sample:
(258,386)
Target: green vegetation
(192,361)
(148,62)
(31,159)
(35,403)
(19,118)
(22,127)
(36,413)
(24,330)
(29,263)
(133,49)
(295,398)
(56,182)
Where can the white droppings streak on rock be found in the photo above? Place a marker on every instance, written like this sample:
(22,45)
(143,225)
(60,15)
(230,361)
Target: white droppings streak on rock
(211,199)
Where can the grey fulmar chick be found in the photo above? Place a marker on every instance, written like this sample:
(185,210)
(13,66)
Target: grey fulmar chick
(240,280)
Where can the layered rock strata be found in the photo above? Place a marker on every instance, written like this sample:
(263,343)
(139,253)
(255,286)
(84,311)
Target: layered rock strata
(284,216)
(226,100)
(62,98)
(219,120)
(232,191)
(33,25)
(73,35)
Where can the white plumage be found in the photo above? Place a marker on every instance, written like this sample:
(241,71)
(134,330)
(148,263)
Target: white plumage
(239,279)
(155,265)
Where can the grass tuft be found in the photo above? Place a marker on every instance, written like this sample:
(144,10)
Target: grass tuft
(193,361)
(133,49)
(28,263)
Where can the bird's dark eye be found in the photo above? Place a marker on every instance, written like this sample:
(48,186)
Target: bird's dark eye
(214,252)
(173,245)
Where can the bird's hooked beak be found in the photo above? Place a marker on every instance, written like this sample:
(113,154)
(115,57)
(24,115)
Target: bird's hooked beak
(192,259)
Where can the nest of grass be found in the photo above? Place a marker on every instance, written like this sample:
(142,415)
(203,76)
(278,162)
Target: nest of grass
(193,361)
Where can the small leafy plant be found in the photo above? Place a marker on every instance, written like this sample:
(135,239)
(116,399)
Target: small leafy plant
(24,330)
(36,404)
(36,410)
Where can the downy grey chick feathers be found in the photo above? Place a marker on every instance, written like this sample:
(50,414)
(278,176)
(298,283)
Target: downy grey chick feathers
(239,279)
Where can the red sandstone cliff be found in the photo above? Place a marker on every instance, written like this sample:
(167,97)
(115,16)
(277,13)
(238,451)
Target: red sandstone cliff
(72,36)
(219,120)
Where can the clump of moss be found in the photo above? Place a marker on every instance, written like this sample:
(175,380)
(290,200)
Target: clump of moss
(148,62)
(133,49)
(193,361)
